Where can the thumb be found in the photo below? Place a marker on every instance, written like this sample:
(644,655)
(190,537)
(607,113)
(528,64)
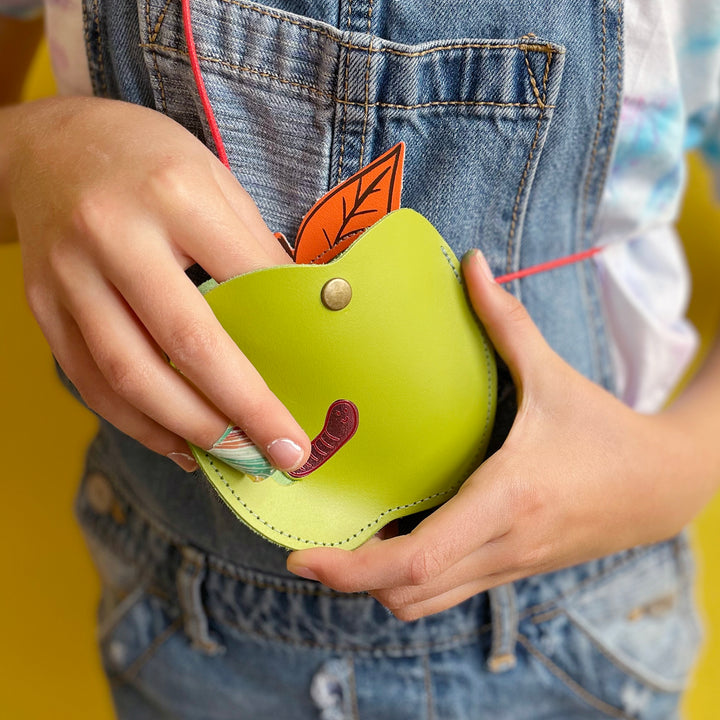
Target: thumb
(505,319)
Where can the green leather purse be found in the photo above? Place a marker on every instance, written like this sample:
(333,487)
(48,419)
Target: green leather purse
(378,355)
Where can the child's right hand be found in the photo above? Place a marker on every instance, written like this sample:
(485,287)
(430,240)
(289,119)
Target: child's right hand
(112,203)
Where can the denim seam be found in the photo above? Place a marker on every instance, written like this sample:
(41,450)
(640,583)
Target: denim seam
(599,576)
(152,35)
(347,94)
(367,84)
(618,663)
(100,50)
(86,35)
(603,367)
(427,679)
(533,82)
(217,566)
(461,103)
(571,684)
(619,93)
(598,127)
(612,577)
(546,75)
(518,196)
(352,682)
(158,593)
(584,280)
(532,47)
(523,179)
(158,22)
(137,665)
(399,650)
(329,96)
(114,617)
(546,616)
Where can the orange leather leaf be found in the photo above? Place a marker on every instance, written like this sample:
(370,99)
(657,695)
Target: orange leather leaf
(342,214)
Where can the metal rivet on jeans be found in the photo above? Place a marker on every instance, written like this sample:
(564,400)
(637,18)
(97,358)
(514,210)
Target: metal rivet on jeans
(99,493)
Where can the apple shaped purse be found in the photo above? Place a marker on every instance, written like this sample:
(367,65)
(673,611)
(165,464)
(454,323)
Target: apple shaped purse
(370,342)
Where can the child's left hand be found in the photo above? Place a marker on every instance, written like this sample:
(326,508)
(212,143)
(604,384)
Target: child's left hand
(580,476)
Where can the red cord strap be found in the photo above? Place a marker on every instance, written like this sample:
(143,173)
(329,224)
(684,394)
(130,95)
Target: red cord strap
(549,265)
(200,84)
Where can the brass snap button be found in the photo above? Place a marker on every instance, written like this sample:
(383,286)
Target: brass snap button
(336,294)
(100,495)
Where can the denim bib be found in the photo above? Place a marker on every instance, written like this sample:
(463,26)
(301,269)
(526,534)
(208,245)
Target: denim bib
(508,109)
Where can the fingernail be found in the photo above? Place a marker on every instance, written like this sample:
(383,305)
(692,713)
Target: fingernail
(285,454)
(477,256)
(303,572)
(184,460)
(236,449)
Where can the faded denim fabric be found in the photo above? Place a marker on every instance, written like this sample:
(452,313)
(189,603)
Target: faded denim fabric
(508,109)
(187,634)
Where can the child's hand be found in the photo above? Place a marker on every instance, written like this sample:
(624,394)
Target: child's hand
(579,476)
(112,203)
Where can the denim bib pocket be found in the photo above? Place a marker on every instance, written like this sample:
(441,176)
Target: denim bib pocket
(302,104)
(626,640)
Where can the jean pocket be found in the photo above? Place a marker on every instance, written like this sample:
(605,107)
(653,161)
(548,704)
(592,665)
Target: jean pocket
(626,640)
(302,104)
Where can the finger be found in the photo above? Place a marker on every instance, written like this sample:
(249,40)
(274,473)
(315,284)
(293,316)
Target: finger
(455,595)
(445,601)
(452,532)
(226,239)
(135,369)
(481,566)
(69,349)
(505,319)
(247,210)
(199,347)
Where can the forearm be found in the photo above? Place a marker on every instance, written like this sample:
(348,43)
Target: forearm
(695,418)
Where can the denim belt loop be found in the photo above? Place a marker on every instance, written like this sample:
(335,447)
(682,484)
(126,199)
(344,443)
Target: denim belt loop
(504,617)
(190,576)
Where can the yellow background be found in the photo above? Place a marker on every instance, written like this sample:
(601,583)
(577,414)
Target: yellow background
(48,663)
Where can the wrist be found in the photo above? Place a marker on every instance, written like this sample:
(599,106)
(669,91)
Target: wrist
(685,467)
(16,122)
(28,130)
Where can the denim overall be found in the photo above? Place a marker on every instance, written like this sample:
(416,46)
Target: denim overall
(508,109)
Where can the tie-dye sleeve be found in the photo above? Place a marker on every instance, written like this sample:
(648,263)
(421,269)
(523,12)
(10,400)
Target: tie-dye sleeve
(704,49)
(21,9)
